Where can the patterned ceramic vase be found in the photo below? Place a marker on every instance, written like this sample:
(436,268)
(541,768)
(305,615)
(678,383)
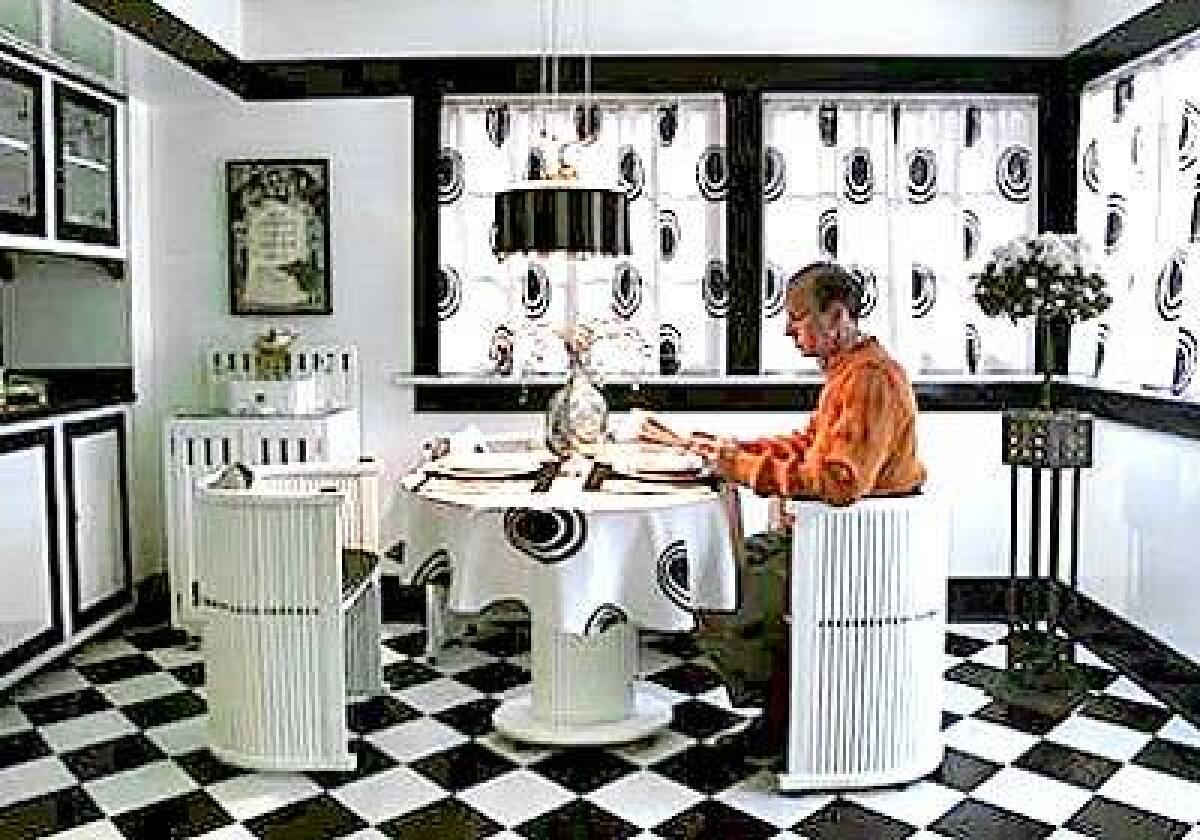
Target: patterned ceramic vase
(577,415)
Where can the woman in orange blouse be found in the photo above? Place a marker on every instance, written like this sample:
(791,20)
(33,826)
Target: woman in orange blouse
(861,441)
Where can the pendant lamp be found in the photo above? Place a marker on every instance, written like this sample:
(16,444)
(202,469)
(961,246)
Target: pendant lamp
(557,212)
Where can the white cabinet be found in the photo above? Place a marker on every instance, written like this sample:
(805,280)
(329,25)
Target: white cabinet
(98,556)
(31,620)
(65,34)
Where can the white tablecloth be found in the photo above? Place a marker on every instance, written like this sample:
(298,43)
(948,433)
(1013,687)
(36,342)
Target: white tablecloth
(650,555)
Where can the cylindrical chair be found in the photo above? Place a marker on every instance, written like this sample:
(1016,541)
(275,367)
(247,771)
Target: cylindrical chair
(868,601)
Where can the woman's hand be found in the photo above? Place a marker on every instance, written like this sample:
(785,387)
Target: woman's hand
(720,453)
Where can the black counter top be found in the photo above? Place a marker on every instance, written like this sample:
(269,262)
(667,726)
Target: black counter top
(11,415)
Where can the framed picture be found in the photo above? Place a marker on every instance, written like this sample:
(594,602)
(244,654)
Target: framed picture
(278,237)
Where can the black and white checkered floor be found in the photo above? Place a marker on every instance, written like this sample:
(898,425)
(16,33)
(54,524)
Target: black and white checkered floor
(111,746)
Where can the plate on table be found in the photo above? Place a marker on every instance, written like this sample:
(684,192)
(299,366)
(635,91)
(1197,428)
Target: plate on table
(665,466)
(487,464)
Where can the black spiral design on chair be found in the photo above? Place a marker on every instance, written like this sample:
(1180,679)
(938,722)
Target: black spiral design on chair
(434,571)
(605,617)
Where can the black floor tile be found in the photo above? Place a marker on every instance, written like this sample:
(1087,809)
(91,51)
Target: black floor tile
(119,668)
(206,768)
(163,710)
(190,675)
(964,646)
(708,769)
(583,769)
(159,637)
(440,821)
(493,678)
(20,747)
(1115,821)
(409,644)
(379,713)
(370,762)
(190,815)
(49,814)
(980,676)
(698,719)
(504,643)
(1020,718)
(1127,713)
(578,819)
(463,766)
(473,719)
(842,820)
(58,707)
(319,817)
(108,757)
(688,678)
(682,645)
(949,719)
(971,820)
(1066,764)
(716,820)
(400,675)
(1170,757)
(963,772)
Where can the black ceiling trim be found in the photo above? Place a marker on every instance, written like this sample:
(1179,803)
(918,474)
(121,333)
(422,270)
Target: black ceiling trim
(1156,27)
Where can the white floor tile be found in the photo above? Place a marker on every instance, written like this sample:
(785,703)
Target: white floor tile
(175,657)
(984,632)
(1085,657)
(137,689)
(459,658)
(386,795)
(182,736)
(644,799)
(73,733)
(759,796)
(994,655)
(1177,729)
(1150,790)
(1033,795)
(246,797)
(33,778)
(12,720)
(437,695)
(1194,834)
(50,683)
(1129,690)
(1067,834)
(94,652)
(989,740)
(137,788)
(229,832)
(523,754)
(415,739)
(376,834)
(651,660)
(98,830)
(917,804)
(515,797)
(1099,737)
(962,699)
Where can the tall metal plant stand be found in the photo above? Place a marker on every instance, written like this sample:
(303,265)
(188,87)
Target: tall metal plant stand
(1042,674)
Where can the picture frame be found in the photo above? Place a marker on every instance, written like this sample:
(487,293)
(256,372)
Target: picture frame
(278,236)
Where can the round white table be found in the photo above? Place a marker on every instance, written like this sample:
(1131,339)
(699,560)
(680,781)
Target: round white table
(592,566)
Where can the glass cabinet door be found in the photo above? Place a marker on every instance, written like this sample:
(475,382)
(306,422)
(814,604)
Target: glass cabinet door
(23,20)
(86,165)
(22,206)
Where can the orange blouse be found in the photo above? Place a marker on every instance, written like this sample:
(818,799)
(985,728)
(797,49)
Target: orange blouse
(861,440)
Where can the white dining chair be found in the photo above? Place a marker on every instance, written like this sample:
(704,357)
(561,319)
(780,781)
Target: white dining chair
(868,607)
(288,571)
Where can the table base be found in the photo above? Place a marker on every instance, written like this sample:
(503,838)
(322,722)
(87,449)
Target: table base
(515,719)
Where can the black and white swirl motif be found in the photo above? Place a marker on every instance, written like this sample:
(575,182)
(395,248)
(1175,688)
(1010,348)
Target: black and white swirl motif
(603,618)
(1114,223)
(587,123)
(1185,361)
(922,175)
(1189,136)
(449,176)
(1168,288)
(449,292)
(924,290)
(626,291)
(1101,340)
(668,123)
(715,288)
(712,173)
(498,123)
(535,165)
(973,347)
(774,174)
(548,536)
(1091,166)
(827,233)
(868,289)
(668,235)
(1137,150)
(535,291)
(670,349)
(1014,173)
(859,176)
(630,173)
(827,125)
(1122,96)
(672,573)
(971,230)
(971,131)
(435,570)
(772,293)
(1195,237)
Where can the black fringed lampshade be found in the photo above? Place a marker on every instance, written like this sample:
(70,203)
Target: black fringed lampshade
(561,217)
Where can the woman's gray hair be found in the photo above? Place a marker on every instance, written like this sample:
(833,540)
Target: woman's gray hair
(827,283)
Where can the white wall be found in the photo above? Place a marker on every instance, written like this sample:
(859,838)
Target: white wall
(278,29)
(1084,20)
(220,20)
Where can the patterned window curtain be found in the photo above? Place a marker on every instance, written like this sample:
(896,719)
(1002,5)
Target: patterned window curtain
(674,287)
(912,195)
(1139,207)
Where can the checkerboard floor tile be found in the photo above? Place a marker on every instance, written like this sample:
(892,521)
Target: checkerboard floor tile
(109,745)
